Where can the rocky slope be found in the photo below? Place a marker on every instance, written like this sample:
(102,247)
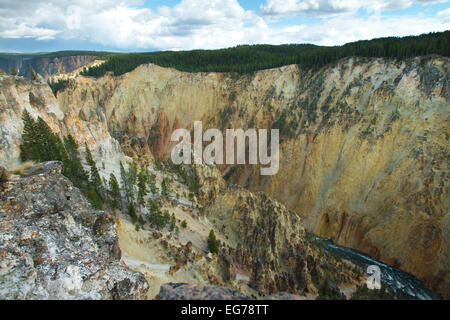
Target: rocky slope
(268,243)
(364,146)
(275,255)
(54,246)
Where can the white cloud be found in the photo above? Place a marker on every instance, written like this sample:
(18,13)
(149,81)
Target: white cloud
(431,1)
(340,30)
(208,24)
(188,25)
(24,31)
(313,7)
(333,7)
(444,15)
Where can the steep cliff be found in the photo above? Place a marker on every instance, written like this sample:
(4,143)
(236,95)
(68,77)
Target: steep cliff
(364,144)
(45,65)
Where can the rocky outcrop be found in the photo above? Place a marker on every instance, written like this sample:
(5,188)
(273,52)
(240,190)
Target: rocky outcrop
(53,245)
(269,243)
(363,152)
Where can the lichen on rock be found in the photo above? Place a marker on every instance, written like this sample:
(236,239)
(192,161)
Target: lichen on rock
(53,245)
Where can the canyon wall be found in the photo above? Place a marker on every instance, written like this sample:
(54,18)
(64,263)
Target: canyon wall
(45,66)
(364,143)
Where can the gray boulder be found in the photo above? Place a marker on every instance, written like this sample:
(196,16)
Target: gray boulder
(54,245)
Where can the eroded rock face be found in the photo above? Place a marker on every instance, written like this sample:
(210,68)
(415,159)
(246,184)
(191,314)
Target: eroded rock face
(364,144)
(53,245)
(271,246)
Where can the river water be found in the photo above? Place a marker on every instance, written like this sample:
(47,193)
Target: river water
(403,284)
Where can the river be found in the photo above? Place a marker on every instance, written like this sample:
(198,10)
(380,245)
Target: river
(405,285)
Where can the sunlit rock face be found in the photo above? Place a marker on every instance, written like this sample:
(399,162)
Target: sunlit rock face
(53,245)
(363,151)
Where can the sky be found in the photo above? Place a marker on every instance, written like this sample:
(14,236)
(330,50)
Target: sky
(153,25)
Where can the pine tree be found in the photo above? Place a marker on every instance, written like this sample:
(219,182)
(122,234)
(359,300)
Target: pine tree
(80,176)
(141,221)
(61,154)
(165,218)
(29,149)
(71,146)
(173,221)
(156,218)
(153,212)
(151,181)
(132,212)
(114,192)
(165,187)
(47,142)
(40,143)
(152,206)
(94,198)
(142,187)
(95,181)
(212,242)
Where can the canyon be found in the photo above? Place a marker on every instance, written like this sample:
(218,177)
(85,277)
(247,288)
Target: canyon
(363,153)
